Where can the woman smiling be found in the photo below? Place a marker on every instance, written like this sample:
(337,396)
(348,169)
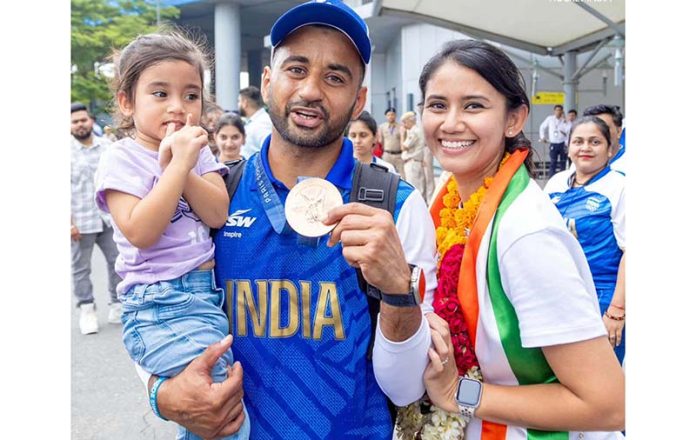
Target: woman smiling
(591,201)
(519,349)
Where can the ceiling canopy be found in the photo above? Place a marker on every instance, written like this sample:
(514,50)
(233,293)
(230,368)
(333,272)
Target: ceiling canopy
(546,27)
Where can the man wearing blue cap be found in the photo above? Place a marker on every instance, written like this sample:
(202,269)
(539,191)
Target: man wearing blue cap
(300,322)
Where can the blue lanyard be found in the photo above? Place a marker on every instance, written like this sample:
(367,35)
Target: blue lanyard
(269,198)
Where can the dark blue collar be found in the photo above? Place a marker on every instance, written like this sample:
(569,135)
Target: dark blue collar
(341,174)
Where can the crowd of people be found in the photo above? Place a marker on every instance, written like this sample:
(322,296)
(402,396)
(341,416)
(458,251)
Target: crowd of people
(498,303)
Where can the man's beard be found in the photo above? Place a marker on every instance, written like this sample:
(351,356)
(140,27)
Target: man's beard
(326,135)
(82,136)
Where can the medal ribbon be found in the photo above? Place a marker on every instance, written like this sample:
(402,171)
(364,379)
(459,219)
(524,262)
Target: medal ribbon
(269,198)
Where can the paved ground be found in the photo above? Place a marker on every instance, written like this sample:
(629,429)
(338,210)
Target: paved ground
(108,400)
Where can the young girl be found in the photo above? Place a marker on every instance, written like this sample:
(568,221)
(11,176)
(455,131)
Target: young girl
(229,137)
(362,132)
(164,190)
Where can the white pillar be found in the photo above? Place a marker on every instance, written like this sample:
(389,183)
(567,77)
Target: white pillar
(228,54)
(570,65)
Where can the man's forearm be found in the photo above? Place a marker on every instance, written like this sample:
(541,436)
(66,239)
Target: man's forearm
(399,323)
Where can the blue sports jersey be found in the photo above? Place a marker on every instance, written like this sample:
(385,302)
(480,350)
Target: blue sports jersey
(595,214)
(301,325)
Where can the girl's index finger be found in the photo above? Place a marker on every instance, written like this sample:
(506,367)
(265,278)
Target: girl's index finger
(189,116)
(171,127)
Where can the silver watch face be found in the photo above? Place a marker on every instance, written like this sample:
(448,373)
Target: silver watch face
(469,392)
(416,278)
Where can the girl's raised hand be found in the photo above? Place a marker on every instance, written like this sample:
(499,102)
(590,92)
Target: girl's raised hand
(186,143)
(165,148)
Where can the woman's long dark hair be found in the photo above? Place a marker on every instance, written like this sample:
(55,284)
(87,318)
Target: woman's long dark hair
(496,68)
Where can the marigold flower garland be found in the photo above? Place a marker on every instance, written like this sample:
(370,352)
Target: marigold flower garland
(421,419)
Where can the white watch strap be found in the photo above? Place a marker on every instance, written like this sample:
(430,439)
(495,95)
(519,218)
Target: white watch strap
(467,412)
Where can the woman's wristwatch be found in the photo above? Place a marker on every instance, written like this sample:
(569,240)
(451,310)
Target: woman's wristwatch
(468,396)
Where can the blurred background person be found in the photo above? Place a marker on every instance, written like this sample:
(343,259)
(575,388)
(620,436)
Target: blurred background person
(412,146)
(258,123)
(88,225)
(209,118)
(389,136)
(109,134)
(553,131)
(229,137)
(591,200)
(569,119)
(362,132)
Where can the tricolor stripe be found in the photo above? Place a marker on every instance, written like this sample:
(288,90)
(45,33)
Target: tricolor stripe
(529,366)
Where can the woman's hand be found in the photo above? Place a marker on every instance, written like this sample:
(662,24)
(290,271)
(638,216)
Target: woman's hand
(614,327)
(441,377)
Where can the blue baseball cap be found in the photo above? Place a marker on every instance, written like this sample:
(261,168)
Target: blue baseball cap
(333,13)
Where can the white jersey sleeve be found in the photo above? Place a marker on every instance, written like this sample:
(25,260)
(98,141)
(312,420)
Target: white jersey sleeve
(399,366)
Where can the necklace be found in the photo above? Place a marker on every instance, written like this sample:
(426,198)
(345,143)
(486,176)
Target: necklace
(576,183)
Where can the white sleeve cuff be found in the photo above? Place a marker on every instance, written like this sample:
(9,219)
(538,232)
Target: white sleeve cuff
(399,366)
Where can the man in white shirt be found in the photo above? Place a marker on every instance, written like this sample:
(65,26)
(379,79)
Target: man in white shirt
(554,131)
(88,225)
(258,125)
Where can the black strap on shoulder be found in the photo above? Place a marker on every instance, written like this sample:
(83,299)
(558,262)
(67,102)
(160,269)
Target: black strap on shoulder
(374,185)
(236,169)
(232,179)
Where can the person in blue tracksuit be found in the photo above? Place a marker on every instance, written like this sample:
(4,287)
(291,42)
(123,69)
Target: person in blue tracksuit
(590,198)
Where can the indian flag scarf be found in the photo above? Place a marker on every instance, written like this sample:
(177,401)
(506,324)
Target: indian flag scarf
(528,365)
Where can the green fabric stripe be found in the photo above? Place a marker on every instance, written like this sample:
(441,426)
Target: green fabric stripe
(528,364)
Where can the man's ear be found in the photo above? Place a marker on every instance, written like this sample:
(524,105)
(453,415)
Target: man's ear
(265,83)
(359,103)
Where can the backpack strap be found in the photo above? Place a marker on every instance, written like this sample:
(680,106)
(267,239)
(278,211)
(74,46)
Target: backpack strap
(236,169)
(375,186)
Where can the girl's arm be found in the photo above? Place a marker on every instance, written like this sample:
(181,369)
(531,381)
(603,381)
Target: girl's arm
(143,221)
(589,395)
(207,195)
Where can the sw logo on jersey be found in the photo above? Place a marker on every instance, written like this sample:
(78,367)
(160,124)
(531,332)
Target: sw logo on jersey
(237,219)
